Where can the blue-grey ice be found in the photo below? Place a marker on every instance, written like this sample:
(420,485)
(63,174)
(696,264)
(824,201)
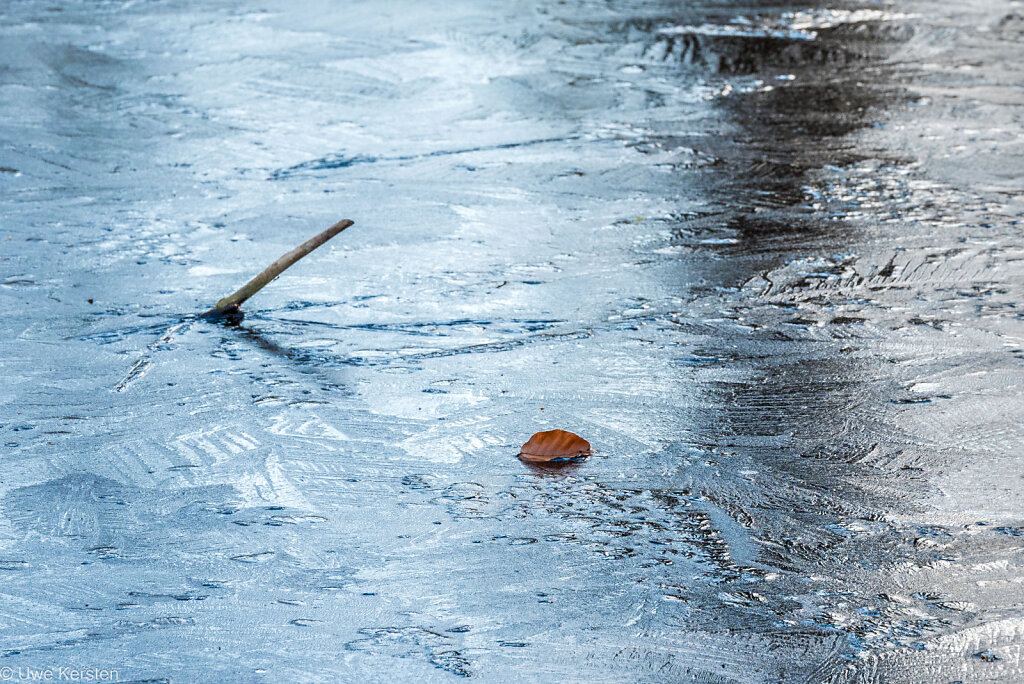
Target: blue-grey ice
(767,257)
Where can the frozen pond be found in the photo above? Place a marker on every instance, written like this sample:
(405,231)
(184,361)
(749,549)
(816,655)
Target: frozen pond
(767,257)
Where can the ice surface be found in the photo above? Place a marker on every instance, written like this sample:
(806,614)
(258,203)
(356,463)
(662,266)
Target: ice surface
(766,257)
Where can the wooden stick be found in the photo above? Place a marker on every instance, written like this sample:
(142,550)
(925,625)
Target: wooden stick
(231,303)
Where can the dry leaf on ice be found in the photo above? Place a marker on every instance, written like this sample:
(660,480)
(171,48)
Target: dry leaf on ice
(554,445)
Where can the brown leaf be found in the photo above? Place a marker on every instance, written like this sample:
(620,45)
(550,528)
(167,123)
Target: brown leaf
(554,445)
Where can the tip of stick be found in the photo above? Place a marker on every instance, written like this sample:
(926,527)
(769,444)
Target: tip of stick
(221,312)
